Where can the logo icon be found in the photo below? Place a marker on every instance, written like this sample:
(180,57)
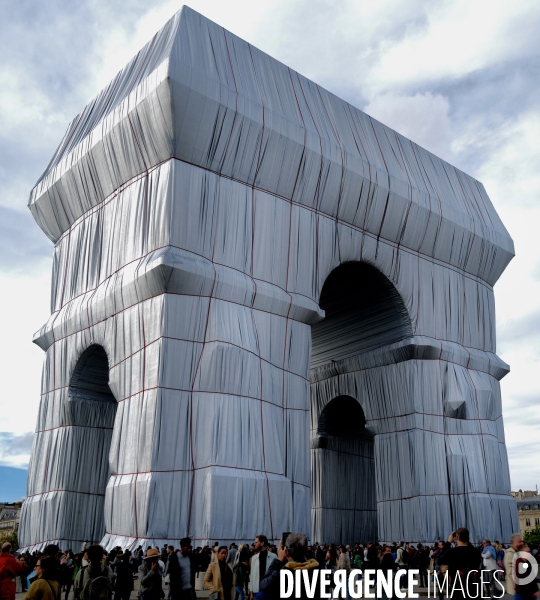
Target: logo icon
(526,561)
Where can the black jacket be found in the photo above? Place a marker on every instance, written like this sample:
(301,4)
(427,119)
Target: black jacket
(173,569)
(387,563)
(462,560)
(372,558)
(124,576)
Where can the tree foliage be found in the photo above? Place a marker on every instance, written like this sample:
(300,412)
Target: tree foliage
(11,537)
(532,537)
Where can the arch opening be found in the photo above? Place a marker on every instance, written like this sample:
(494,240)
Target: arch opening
(90,378)
(342,417)
(363,312)
(92,408)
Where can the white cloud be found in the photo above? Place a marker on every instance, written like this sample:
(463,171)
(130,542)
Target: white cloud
(461,37)
(15,449)
(24,308)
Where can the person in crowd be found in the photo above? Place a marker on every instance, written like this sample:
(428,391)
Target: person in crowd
(516,541)
(320,555)
(111,558)
(413,557)
(371,556)
(499,551)
(136,558)
(26,558)
(164,554)
(402,559)
(205,559)
(439,572)
(45,586)
(151,576)
(241,574)
(489,563)
(123,583)
(60,560)
(231,556)
(260,562)
(525,591)
(96,578)
(168,564)
(344,560)
(219,576)
(423,564)
(331,558)
(291,556)
(72,570)
(358,559)
(461,559)
(182,569)
(10,569)
(247,552)
(434,555)
(388,563)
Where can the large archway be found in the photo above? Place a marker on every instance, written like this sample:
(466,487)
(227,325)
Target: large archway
(363,312)
(92,405)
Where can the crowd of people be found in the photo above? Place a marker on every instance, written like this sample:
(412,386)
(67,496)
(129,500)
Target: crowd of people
(251,572)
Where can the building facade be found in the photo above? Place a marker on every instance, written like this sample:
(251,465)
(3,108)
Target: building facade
(528,504)
(10,515)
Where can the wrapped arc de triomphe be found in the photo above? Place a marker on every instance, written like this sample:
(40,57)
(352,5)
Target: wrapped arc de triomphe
(270,312)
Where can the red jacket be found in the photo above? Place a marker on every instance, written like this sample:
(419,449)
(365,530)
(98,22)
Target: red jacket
(9,569)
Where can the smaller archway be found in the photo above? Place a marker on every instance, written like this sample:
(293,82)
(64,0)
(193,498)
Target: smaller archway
(343,474)
(342,417)
(91,408)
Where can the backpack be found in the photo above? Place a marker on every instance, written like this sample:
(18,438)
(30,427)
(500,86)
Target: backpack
(404,556)
(98,588)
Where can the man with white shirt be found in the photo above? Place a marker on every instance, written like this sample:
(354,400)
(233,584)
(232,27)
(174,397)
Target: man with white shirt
(260,563)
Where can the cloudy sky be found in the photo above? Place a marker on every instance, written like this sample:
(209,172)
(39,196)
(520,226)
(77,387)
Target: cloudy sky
(460,77)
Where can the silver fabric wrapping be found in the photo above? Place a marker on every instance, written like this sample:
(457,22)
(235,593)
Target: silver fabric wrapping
(198,205)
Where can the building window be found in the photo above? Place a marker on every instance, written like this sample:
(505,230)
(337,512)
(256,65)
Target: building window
(527,522)
(537,521)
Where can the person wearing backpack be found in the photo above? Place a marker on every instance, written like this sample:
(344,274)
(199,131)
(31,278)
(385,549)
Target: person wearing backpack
(94,582)
(45,587)
(402,555)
